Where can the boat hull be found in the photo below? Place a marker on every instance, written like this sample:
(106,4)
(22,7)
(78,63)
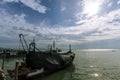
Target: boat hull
(41,64)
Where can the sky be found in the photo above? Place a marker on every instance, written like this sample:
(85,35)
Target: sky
(81,23)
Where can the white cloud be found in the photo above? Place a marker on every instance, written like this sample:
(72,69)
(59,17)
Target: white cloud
(10,0)
(106,27)
(63,7)
(110,4)
(98,27)
(113,15)
(11,25)
(118,2)
(92,29)
(81,22)
(33,4)
(91,7)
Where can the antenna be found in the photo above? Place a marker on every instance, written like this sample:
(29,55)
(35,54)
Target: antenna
(70,47)
(33,42)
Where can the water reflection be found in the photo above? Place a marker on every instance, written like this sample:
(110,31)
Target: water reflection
(95,74)
(88,65)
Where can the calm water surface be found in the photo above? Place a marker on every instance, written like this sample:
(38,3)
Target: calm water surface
(89,64)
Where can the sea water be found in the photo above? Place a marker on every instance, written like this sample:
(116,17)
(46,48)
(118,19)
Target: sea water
(89,64)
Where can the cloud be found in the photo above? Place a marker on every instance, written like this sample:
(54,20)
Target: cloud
(63,7)
(12,25)
(96,28)
(110,4)
(91,7)
(10,0)
(33,4)
(118,2)
(106,27)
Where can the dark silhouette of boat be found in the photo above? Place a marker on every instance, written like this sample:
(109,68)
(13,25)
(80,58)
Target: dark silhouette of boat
(39,63)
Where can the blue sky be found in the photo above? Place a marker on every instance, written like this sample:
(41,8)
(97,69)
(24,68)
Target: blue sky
(82,23)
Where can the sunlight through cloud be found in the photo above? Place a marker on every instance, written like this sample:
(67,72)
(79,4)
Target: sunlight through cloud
(91,7)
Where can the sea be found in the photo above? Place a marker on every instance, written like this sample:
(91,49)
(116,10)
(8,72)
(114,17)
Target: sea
(89,64)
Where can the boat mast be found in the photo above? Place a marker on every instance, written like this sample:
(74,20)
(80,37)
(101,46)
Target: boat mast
(53,45)
(34,45)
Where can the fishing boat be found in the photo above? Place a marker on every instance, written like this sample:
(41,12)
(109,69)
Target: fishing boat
(40,63)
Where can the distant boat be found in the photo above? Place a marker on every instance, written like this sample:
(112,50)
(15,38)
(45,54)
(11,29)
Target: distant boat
(39,63)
